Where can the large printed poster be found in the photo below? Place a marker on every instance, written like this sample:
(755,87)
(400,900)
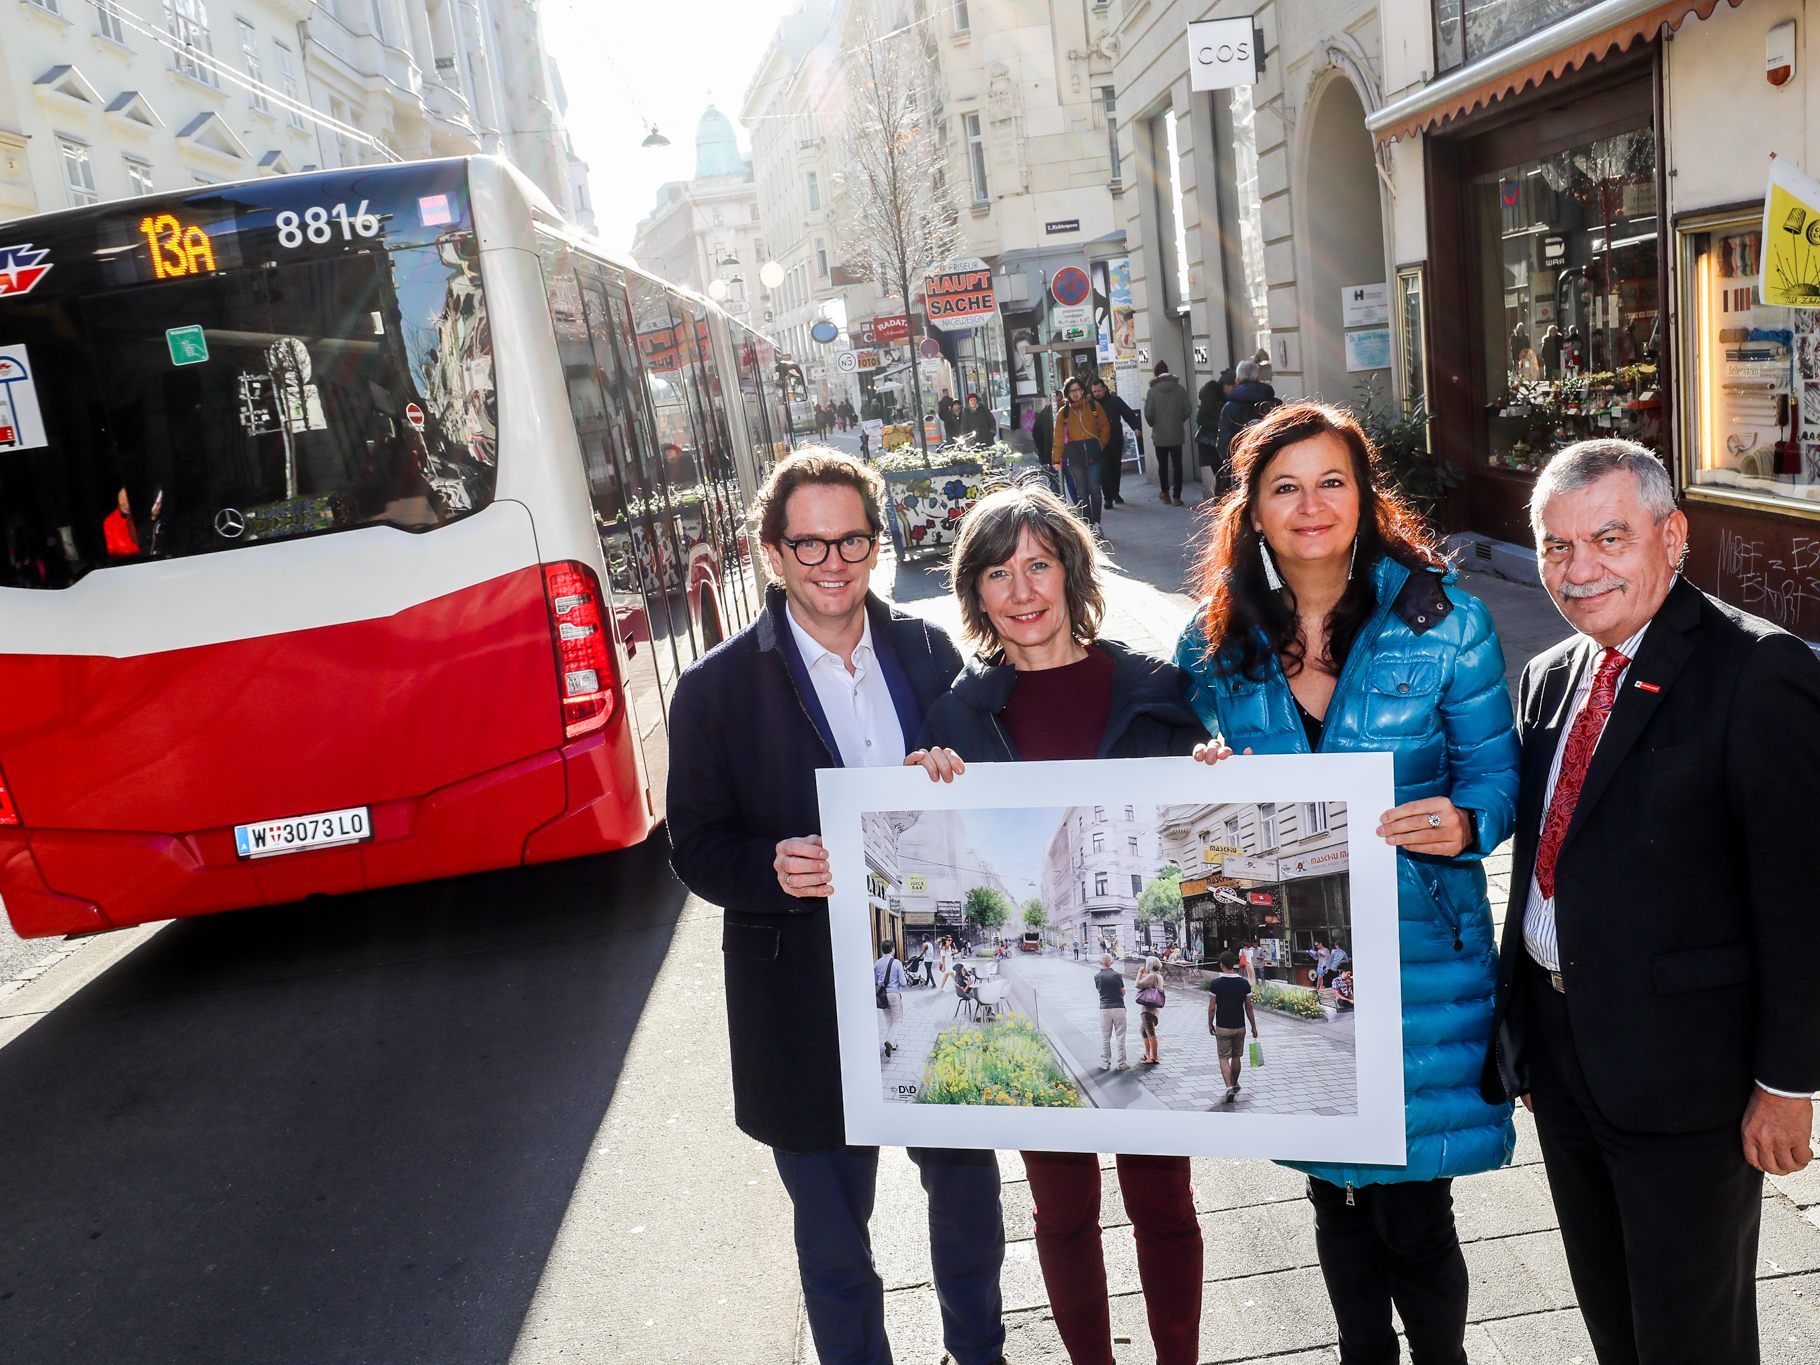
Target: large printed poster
(1056,883)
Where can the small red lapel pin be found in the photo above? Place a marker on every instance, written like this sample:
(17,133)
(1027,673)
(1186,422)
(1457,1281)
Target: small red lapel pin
(1648,687)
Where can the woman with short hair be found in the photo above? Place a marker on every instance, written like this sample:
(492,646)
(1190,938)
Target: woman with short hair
(1045,686)
(1330,623)
(1150,999)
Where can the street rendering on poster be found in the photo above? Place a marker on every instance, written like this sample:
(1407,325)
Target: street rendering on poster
(1026,906)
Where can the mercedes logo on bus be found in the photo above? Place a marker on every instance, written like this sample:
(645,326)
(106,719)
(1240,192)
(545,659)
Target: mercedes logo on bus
(230,524)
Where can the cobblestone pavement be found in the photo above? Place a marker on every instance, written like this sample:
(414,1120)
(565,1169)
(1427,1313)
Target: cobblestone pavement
(1264,1298)
(1308,1068)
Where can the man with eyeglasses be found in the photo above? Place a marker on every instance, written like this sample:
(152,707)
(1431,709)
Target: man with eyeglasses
(828,675)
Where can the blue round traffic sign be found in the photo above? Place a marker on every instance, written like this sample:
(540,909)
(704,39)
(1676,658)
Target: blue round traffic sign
(1071,285)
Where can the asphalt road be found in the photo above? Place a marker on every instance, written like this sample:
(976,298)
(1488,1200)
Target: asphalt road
(448,1123)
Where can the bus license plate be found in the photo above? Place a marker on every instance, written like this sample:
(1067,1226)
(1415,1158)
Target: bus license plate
(296,833)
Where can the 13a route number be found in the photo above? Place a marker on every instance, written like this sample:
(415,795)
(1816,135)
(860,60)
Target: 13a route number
(319,225)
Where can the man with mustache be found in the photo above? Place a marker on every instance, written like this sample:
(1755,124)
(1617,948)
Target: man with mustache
(1652,1002)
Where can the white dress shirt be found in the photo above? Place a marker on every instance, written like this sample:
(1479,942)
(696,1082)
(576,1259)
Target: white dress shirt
(1539,915)
(858,704)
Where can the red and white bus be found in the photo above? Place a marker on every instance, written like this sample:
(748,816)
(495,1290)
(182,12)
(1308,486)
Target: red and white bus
(356,526)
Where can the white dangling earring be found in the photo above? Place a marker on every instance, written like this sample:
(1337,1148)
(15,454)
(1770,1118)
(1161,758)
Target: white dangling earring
(1271,576)
(1352,563)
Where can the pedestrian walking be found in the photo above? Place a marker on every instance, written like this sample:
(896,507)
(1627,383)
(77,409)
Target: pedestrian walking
(1042,435)
(1044,686)
(1248,962)
(1310,564)
(1110,983)
(1229,1009)
(1081,433)
(928,963)
(1151,999)
(1167,409)
(1251,401)
(1336,961)
(950,413)
(1655,998)
(1208,402)
(1318,955)
(826,675)
(1112,469)
(978,424)
(888,978)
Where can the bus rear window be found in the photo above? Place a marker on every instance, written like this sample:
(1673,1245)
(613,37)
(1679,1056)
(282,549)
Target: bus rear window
(166,420)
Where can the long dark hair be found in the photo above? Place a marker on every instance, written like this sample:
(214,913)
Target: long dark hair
(1246,623)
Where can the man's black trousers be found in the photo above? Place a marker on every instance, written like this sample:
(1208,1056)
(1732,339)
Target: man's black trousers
(1660,1228)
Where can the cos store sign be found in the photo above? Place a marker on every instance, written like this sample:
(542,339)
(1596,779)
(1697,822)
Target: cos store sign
(1224,54)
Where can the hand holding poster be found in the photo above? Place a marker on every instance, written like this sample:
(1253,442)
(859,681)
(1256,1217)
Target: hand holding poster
(1023,1037)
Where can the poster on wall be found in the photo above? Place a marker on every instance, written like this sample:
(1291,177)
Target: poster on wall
(1123,311)
(1791,239)
(1062,876)
(1368,350)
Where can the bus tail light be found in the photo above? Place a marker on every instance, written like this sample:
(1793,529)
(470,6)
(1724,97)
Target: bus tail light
(584,659)
(9,813)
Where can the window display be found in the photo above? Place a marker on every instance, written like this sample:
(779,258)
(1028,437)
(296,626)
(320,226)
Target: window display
(1753,371)
(1570,297)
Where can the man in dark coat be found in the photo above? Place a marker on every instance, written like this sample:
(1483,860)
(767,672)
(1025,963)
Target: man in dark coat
(1251,398)
(1654,1003)
(828,675)
(978,424)
(1042,432)
(1208,403)
(1112,462)
(950,413)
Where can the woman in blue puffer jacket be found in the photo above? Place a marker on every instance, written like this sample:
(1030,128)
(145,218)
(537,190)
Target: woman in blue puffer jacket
(1331,624)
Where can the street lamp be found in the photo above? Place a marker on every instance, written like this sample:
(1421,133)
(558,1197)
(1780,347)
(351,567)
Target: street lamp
(654,138)
(771,274)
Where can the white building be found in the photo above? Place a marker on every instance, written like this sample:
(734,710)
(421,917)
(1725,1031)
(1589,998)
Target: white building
(107,99)
(938,866)
(1096,864)
(707,228)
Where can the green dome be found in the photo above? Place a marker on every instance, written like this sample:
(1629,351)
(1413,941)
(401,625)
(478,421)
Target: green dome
(716,148)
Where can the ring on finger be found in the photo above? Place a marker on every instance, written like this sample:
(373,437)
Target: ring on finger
(1434,822)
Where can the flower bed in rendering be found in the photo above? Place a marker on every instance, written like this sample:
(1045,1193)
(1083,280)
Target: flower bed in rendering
(1007,1061)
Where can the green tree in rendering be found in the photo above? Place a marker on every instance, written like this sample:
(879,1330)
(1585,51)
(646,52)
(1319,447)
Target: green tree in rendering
(986,907)
(1161,899)
(1035,917)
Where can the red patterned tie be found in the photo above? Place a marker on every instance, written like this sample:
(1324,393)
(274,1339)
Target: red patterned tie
(1582,739)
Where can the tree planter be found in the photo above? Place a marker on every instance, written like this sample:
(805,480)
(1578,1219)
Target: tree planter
(924,507)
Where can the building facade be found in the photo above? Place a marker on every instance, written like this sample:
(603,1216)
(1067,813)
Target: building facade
(1095,865)
(1273,874)
(704,232)
(938,865)
(108,99)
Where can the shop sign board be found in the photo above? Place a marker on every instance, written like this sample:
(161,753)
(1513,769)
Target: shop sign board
(1260,898)
(1223,54)
(848,274)
(1251,869)
(1365,305)
(958,295)
(1320,863)
(1214,853)
(916,884)
(1369,350)
(866,360)
(892,330)
(1059,225)
(846,362)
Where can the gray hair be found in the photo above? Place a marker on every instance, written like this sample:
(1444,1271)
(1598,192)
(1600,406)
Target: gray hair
(1105,959)
(1246,370)
(1152,964)
(1584,463)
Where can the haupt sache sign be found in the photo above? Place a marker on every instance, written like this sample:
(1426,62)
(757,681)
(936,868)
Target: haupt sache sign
(958,295)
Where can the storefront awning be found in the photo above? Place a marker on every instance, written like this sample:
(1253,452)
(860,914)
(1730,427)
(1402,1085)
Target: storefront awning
(1586,36)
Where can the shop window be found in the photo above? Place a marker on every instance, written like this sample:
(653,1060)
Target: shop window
(1568,261)
(1468,29)
(1749,369)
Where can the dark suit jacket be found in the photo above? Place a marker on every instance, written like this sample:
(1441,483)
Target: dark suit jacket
(747,733)
(1685,902)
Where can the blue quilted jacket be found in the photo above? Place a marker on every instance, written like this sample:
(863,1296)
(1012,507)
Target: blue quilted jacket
(1424,680)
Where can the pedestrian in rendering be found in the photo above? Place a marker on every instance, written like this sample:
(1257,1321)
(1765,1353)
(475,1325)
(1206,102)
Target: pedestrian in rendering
(1229,1009)
(1167,409)
(1081,434)
(928,963)
(1329,621)
(1655,1002)
(1045,686)
(827,675)
(1318,954)
(1150,998)
(888,978)
(1336,961)
(979,425)
(1112,469)
(1110,983)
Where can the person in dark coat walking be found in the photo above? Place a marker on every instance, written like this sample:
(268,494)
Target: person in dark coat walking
(1251,399)
(1208,403)
(827,675)
(950,413)
(1046,687)
(1167,409)
(1112,465)
(979,425)
(1042,433)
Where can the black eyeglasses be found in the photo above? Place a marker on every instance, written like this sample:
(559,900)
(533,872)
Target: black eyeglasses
(813,550)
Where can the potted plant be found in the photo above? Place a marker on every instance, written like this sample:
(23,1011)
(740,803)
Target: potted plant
(926,497)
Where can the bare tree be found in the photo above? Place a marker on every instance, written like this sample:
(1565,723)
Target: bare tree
(898,212)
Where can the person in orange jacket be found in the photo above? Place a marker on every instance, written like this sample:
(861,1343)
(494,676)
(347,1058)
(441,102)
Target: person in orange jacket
(1082,432)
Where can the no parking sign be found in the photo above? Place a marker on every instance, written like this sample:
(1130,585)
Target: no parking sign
(1071,305)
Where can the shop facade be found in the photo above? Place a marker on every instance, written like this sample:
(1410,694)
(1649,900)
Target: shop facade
(1578,243)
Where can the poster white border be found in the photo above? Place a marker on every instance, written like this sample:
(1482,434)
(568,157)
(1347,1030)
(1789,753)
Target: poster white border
(1373,1134)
